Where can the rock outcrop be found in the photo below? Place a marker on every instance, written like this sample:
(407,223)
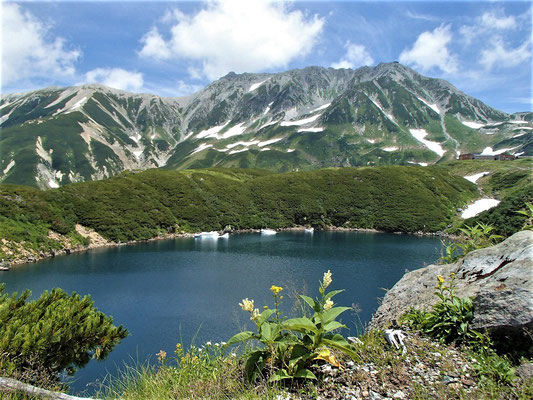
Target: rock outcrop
(499,278)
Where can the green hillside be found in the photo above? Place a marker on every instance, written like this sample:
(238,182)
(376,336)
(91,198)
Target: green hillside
(138,206)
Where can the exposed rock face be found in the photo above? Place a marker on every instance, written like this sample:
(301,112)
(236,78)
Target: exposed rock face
(499,278)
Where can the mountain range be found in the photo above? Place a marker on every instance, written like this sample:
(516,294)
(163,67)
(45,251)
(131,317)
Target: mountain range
(300,119)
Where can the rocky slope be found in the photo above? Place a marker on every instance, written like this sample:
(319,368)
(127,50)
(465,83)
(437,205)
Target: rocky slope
(499,278)
(299,119)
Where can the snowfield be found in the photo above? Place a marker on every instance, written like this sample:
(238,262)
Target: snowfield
(420,134)
(475,177)
(472,124)
(478,207)
(300,122)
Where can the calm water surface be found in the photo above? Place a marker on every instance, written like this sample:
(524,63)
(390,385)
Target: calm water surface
(165,292)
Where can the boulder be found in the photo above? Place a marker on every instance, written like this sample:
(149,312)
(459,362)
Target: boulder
(499,278)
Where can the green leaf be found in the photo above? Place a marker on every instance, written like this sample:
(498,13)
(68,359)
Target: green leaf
(279,375)
(240,337)
(254,365)
(266,332)
(313,304)
(302,324)
(332,293)
(264,316)
(304,373)
(331,326)
(332,313)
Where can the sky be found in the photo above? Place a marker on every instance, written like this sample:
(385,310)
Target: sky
(176,48)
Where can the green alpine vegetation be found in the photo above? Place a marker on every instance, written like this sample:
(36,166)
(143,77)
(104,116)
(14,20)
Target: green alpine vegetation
(143,205)
(55,333)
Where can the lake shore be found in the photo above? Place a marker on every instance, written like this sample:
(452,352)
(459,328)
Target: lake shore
(97,241)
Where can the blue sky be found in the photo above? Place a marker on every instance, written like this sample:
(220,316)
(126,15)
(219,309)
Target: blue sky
(176,48)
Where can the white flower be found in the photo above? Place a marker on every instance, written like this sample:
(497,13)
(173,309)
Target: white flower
(328,304)
(327,279)
(247,305)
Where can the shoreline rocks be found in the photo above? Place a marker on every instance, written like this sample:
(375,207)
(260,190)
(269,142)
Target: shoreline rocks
(499,278)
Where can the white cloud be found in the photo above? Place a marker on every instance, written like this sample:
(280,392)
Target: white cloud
(497,55)
(431,51)
(233,35)
(489,22)
(117,78)
(183,88)
(356,56)
(28,51)
(496,19)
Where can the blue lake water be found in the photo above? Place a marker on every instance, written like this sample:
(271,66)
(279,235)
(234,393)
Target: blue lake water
(165,292)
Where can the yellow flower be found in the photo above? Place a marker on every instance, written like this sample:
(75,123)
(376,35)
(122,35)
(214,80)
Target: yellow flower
(452,275)
(327,279)
(328,304)
(276,289)
(255,314)
(161,355)
(440,278)
(247,305)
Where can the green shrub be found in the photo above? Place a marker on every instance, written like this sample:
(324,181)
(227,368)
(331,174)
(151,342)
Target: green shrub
(57,332)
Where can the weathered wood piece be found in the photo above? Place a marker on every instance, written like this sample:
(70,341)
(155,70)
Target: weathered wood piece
(12,385)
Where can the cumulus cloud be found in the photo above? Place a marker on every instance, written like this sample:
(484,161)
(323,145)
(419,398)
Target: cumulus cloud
(497,55)
(431,51)
(356,56)
(117,78)
(28,51)
(233,35)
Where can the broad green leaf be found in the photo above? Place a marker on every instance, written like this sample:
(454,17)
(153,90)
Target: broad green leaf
(254,365)
(264,316)
(332,293)
(302,324)
(345,348)
(332,313)
(331,326)
(304,373)
(240,337)
(266,332)
(313,304)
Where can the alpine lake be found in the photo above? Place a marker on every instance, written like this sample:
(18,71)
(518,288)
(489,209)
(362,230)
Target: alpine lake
(188,289)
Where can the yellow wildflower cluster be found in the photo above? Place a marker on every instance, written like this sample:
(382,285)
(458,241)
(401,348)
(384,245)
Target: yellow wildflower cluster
(247,305)
(275,289)
(327,279)
(328,304)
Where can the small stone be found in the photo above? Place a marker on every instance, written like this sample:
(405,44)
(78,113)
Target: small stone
(365,393)
(399,395)
(467,382)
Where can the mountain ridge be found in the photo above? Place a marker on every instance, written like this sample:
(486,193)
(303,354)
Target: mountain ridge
(298,119)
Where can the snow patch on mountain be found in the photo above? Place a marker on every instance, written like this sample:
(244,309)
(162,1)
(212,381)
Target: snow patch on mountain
(211,132)
(41,152)
(322,107)
(389,116)
(432,106)
(475,177)
(256,85)
(420,134)
(488,151)
(203,146)
(389,149)
(233,131)
(238,151)
(267,142)
(472,124)
(478,207)
(301,121)
(517,122)
(9,166)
